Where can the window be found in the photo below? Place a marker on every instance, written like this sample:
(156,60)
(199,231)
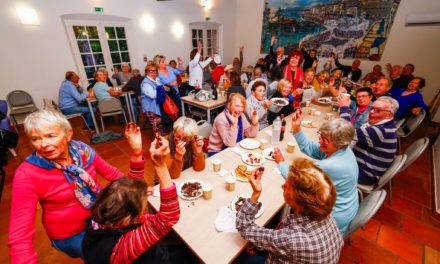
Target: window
(98,45)
(207,34)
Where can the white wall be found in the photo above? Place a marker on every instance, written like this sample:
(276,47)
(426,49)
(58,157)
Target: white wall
(35,58)
(419,45)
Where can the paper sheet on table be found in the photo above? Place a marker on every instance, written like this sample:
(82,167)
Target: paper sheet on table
(225,220)
(156,191)
(277,171)
(317,113)
(238,150)
(269,132)
(221,173)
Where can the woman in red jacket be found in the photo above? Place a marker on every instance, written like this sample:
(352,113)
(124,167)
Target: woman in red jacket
(60,175)
(293,72)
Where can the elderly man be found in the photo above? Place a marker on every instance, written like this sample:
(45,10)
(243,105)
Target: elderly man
(72,95)
(405,77)
(375,143)
(278,60)
(309,234)
(381,88)
(352,70)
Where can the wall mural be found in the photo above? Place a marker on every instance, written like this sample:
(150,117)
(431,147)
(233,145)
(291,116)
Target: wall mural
(349,28)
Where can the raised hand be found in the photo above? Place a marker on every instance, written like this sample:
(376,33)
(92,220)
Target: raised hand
(197,145)
(297,92)
(267,104)
(241,49)
(181,148)
(254,117)
(272,40)
(343,101)
(233,117)
(255,181)
(296,121)
(134,137)
(159,151)
(179,61)
(277,155)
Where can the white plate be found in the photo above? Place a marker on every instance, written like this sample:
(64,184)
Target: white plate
(266,152)
(277,101)
(246,158)
(179,190)
(309,124)
(325,100)
(245,195)
(239,178)
(249,143)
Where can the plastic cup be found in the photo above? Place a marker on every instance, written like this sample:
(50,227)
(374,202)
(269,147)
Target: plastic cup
(329,116)
(290,146)
(207,191)
(312,111)
(230,183)
(307,103)
(216,165)
(263,143)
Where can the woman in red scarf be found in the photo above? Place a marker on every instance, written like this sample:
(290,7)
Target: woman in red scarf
(293,72)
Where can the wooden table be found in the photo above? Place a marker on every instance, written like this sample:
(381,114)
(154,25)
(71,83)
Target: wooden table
(128,102)
(206,105)
(196,224)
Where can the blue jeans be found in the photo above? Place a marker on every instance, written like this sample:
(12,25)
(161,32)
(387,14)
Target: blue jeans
(72,246)
(81,109)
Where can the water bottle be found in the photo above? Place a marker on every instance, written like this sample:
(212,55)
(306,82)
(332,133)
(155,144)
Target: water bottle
(283,127)
(197,85)
(276,131)
(214,92)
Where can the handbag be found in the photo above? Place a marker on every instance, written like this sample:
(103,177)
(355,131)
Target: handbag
(170,108)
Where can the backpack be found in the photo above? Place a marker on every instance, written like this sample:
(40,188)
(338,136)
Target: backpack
(170,108)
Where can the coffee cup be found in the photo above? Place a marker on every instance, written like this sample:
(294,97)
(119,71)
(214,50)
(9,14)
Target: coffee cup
(263,143)
(312,111)
(290,146)
(307,103)
(329,116)
(207,191)
(216,165)
(230,183)
(345,95)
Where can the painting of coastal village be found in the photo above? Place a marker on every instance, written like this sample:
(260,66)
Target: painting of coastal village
(348,28)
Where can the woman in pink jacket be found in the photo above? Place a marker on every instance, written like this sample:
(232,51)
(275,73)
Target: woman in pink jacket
(231,125)
(60,175)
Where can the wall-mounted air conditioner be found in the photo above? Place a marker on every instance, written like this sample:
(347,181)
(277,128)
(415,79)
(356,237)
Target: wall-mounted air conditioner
(423,18)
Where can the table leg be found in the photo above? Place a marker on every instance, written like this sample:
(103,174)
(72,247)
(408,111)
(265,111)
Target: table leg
(183,107)
(128,102)
(93,116)
(208,112)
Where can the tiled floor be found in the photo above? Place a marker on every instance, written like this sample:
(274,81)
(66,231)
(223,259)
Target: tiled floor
(403,233)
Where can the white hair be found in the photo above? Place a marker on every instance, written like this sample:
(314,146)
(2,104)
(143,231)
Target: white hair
(41,119)
(392,103)
(341,131)
(188,125)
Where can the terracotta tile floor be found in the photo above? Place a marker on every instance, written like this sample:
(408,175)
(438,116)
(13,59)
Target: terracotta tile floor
(405,232)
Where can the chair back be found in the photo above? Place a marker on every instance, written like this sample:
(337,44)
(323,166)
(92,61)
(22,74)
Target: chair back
(205,128)
(367,209)
(411,124)
(414,151)
(50,104)
(109,106)
(19,98)
(394,168)
(400,123)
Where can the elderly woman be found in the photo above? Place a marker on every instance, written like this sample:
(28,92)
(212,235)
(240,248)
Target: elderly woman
(284,90)
(335,158)
(186,150)
(309,234)
(101,88)
(61,176)
(258,102)
(410,99)
(168,77)
(124,76)
(309,92)
(293,72)
(357,112)
(153,95)
(320,84)
(231,125)
(107,79)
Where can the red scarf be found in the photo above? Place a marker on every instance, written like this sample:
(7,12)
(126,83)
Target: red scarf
(296,83)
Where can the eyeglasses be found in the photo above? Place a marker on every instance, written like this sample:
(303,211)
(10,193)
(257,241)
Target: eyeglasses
(323,139)
(378,110)
(152,71)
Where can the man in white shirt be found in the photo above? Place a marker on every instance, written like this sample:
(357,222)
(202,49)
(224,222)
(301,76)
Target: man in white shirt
(196,66)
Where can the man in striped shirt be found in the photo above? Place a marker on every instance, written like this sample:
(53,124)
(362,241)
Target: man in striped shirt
(375,143)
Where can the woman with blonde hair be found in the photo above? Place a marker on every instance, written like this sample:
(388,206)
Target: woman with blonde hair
(284,90)
(231,125)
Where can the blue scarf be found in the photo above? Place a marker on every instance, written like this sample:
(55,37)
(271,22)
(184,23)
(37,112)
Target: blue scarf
(240,128)
(82,184)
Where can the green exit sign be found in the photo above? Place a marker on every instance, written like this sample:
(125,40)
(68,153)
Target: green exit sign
(99,9)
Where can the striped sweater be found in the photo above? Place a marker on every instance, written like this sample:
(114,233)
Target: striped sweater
(375,147)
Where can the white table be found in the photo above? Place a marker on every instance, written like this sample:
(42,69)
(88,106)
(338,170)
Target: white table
(206,105)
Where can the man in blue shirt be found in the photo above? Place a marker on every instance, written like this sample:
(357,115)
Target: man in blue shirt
(72,95)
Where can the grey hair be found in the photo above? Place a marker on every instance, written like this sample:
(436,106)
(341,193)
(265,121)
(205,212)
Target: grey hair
(136,72)
(341,131)
(389,81)
(103,69)
(125,63)
(392,103)
(41,119)
(188,125)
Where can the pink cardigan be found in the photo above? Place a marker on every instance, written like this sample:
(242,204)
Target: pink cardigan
(63,216)
(224,134)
